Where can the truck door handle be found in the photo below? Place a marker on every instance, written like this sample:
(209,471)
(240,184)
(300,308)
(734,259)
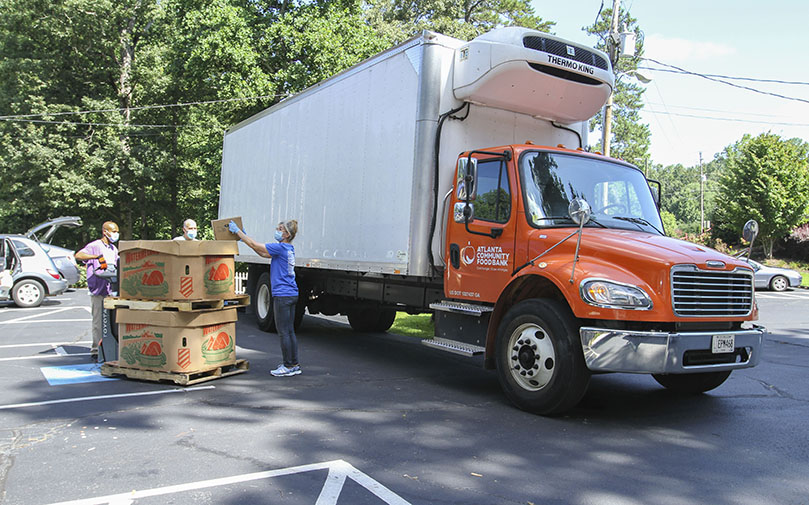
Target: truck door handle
(455,256)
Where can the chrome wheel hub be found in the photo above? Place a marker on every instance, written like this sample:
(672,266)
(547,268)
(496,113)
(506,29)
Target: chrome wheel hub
(531,357)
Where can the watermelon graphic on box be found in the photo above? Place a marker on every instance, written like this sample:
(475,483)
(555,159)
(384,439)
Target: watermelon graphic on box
(143,350)
(217,348)
(151,339)
(219,278)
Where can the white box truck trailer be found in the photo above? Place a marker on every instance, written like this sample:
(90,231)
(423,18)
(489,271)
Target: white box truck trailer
(434,176)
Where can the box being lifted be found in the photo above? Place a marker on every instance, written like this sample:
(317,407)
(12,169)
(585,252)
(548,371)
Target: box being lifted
(177,270)
(176,341)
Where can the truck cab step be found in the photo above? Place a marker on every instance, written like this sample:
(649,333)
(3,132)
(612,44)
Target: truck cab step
(461,307)
(454,346)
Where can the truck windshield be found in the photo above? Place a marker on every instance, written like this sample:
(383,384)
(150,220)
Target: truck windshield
(618,195)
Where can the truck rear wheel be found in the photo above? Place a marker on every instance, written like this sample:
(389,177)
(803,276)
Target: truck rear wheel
(539,359)
(371,319)
(262,304)
(692,383)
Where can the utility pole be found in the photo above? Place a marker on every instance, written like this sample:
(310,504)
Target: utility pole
(612,51)
(701,196)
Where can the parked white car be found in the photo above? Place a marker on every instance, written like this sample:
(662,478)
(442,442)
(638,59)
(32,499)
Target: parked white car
(774,278)
(64,259)
(33,272)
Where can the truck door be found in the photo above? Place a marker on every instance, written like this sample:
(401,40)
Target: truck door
(480,245)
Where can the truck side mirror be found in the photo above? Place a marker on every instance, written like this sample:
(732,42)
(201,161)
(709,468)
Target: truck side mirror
(657,190)
(579,211)
(467,178)
(750,231)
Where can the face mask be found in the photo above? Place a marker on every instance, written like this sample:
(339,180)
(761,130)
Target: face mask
(113,237)
(279,235)
(192,234)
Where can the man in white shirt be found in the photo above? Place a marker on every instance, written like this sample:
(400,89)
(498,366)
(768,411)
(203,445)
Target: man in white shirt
(189,230)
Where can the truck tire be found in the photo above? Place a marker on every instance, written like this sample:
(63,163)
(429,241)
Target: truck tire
(262,304)
(540,363)
(369,319)
(28,293)
(692,383)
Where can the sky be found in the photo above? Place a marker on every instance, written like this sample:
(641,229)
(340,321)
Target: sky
(689,115)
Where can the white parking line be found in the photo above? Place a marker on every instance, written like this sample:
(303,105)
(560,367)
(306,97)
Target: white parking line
(48,321)
(31,316)
(45,356)
(105,397)
(339,470)
(52,345)
(798,296)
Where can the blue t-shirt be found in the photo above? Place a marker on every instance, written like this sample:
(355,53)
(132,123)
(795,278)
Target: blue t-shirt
(282,269)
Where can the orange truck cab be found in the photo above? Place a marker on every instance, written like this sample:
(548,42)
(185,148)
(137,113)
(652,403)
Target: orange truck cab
(564,295)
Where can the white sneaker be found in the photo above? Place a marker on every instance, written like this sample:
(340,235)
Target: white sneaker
(283,371)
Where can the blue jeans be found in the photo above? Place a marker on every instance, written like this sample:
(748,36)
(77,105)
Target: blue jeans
(283,308)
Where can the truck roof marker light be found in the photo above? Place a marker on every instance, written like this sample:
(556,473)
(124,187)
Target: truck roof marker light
(561,146)
(529,143)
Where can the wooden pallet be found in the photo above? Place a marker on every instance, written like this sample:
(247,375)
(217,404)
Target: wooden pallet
(112,368)
(111,302)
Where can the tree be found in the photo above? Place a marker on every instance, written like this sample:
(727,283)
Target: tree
(767,179)
(681,194)
(630,138)
(466,19)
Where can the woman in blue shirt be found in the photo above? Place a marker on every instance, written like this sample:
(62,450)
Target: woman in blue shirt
(284,289)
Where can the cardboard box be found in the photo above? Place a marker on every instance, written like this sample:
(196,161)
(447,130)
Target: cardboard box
(221,231)
(177,270)
(184,342)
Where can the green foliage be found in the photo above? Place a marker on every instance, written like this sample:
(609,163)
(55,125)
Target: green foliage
(419,325)
(681,194)
(669,222)
(398,20)
(767,179)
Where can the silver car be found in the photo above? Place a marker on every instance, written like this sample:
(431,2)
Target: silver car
(774,278)
(63,258)
(33,272)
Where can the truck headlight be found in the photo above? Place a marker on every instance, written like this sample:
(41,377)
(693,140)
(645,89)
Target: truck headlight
(613,295)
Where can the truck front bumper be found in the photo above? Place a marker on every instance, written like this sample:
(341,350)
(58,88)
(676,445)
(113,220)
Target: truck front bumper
(607,350)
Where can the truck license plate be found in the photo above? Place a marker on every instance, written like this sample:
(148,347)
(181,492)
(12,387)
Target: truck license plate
(723,343)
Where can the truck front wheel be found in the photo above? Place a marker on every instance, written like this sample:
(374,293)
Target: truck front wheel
(692,383)
(262,304)
(539,358)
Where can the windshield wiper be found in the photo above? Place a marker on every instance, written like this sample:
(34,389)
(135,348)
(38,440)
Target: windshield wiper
(567,218)
(638,220)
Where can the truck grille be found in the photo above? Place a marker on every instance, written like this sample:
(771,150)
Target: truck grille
(711,293)
(557,48)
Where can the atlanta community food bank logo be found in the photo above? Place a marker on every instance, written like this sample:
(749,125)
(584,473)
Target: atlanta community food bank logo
(485,255)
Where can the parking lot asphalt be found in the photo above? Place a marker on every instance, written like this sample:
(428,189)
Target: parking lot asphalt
(377,418)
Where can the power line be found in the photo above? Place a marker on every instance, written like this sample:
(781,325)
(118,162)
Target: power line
(736,120)
(712,110)
(119,125)
(144,107)
(704,76)
(774,81)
